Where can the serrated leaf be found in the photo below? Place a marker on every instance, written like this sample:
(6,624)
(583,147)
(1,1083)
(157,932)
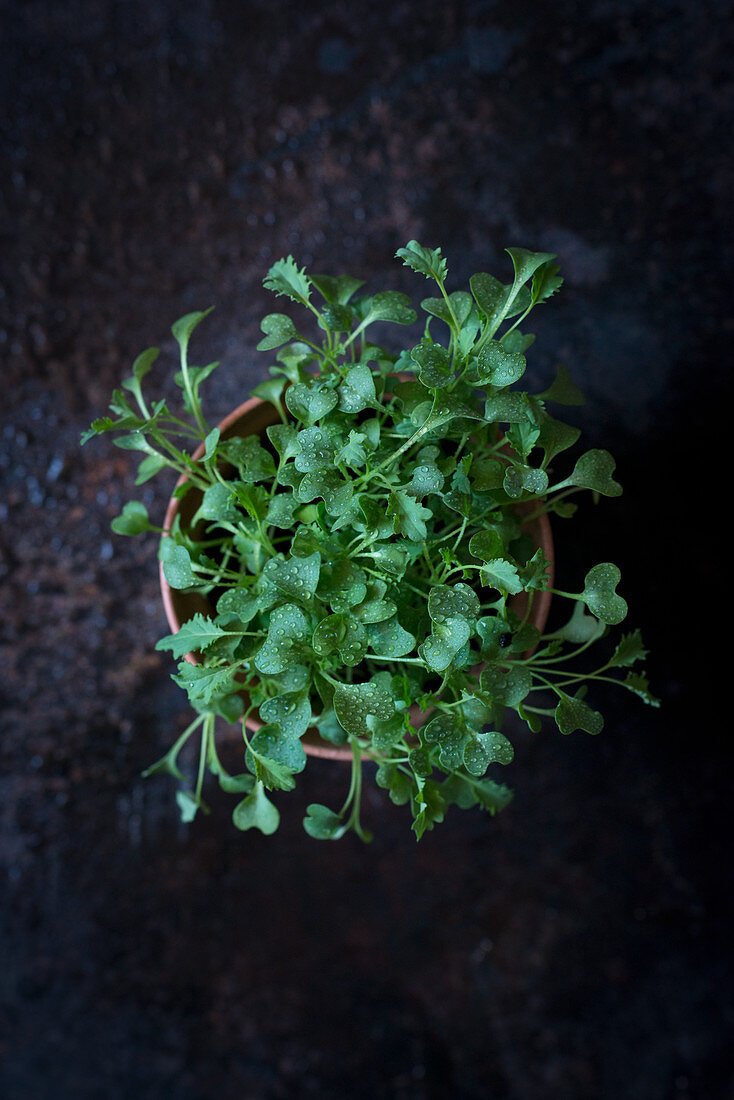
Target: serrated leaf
(502,575)
(426,261)
(574,714)
(629,651)
(196,634)
(638,684)
(203,682)
(409,516)
(286,279)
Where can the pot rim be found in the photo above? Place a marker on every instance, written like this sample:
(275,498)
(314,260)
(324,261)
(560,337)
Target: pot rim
(312,742)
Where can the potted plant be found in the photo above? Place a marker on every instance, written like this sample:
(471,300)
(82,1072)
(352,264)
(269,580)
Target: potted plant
(357,562)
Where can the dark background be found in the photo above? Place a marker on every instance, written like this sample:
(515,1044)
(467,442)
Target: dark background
(157,157)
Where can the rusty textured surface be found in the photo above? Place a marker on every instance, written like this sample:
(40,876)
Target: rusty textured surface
(156,158)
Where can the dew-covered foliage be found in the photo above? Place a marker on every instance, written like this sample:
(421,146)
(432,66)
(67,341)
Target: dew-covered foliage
(370,553)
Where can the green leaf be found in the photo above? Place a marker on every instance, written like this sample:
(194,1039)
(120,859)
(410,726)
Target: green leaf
(426,261)
(453,611)
(275,746)
(498,367)
(270,772)
(502,575)
(340,633)
(310,401)
(638,684)
(594,471)
(562,390)
(389,639)
(461,304)
(177,568)
(250,457)
(429,807)
(425,479)
(353,452)
(527,263)
(574,714)
(483,749)
(356,705)
(194,635)
(486,545)
(337,289)
(284,438)
(218,503)
(629,650)
(210,443)
(188,805)
(256,812)
(449,734)
(149,467)
(271,390)
(599,593)
(580,628)
(546,281)
(391,305)
(285,279)
(357,391)
(521,479)
(281,511)
(133,519)
(279,329)
(410,517)
(434,362)
(203,682)
(287,630)
(322,823)
(315,450)
(554,436)
(296,578)
(183,328)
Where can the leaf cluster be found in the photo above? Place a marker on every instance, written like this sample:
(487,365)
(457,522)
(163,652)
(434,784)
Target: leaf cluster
(369,555)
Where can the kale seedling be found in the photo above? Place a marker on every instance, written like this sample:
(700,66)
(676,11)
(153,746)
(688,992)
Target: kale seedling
(367,553)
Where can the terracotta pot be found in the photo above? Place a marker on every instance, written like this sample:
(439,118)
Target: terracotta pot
(252,418)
